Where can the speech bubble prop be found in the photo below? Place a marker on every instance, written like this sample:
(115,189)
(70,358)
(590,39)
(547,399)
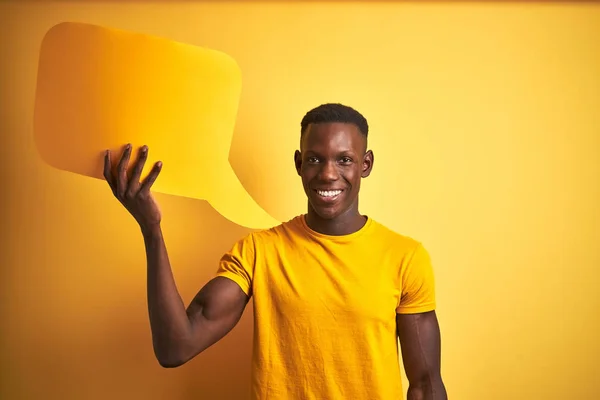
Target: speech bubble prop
(100,88)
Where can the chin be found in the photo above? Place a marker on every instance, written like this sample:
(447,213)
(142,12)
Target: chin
(326,213)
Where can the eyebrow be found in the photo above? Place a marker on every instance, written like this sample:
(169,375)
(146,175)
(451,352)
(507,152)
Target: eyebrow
(341,152)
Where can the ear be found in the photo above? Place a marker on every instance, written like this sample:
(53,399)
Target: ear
(298,161)
(367,164)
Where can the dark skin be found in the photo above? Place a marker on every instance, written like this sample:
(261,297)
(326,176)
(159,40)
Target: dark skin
(421,353)
(332,158)
(178,334)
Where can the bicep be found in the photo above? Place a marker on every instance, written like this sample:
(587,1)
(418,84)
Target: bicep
(420,344)
(215,311)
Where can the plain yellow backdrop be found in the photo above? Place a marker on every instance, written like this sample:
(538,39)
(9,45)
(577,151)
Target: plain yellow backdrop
(486,133)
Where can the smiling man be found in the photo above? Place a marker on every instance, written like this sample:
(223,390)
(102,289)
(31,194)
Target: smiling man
(333,289)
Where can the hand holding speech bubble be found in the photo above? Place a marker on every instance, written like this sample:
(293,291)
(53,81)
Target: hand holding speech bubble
(100,88)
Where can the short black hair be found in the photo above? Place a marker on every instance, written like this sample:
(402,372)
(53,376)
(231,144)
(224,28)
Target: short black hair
(335,112)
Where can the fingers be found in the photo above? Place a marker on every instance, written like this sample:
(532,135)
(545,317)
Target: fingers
(128,188)
(122,172)
(134,180)
(108,171)
(149,181)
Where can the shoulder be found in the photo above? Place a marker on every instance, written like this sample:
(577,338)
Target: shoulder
(285,231)
(393,238)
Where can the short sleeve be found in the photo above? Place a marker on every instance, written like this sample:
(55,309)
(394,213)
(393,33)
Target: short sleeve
(418,286)
(238,263)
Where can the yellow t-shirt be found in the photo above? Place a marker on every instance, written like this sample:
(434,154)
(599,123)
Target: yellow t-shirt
(325,308)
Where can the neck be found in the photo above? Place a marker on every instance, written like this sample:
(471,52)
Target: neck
(348,222)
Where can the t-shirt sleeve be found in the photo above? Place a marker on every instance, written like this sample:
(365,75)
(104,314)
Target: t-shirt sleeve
(238,263)
(418,287)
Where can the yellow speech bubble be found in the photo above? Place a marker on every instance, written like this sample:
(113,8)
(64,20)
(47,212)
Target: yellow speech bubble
(99,88)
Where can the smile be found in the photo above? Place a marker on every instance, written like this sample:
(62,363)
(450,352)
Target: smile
(328,194)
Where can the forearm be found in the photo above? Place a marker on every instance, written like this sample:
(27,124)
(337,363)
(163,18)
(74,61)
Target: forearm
(431,390)
(169,322)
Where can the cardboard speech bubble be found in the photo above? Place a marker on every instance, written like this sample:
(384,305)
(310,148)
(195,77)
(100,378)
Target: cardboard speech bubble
(100,88)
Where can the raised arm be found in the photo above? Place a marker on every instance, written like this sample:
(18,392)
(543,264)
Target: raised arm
(420,343)
(178,334)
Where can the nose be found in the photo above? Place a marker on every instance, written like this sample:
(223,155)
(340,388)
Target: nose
(328,172)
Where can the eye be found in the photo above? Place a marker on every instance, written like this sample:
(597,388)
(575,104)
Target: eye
(312,160)
(346,160)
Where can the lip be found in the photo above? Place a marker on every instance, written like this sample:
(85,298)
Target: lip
(327,199)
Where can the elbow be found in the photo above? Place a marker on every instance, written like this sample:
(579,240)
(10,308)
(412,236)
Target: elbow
(170,358)
(170,363)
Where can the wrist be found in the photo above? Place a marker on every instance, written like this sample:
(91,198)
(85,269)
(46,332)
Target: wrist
(151,230)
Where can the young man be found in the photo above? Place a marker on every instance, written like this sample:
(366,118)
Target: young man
(333,290)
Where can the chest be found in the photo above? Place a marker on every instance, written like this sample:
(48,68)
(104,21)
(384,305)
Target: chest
(347,285)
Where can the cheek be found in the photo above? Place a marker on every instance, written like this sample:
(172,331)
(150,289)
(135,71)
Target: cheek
(354,182)
(305,177)
(352,176)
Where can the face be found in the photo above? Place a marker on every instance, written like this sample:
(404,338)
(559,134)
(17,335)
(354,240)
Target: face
(331,162)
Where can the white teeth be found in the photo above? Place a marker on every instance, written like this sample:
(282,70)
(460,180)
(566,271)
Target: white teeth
(328,193)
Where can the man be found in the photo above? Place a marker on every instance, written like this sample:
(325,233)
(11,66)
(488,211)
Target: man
(333,290)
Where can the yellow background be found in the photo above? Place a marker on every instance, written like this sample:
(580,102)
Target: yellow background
(486,134)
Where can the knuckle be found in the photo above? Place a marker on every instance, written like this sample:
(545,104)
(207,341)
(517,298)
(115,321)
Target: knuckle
(129,194)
